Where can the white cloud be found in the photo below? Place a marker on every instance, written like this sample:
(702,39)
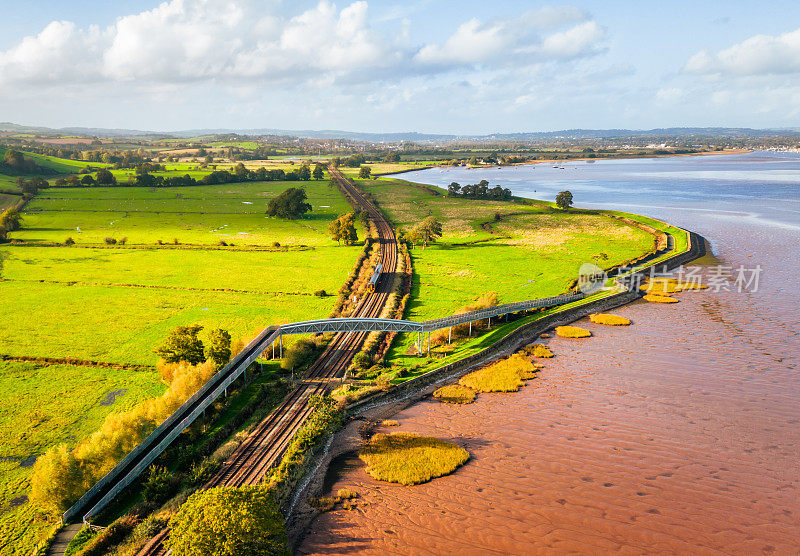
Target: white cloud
(758,55)
(583,39)
(518,40)
(186,40)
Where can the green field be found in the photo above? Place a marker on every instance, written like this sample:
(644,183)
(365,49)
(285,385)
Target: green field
(140,292)
(41,406)
(533,251)
(7,201)
(196,215)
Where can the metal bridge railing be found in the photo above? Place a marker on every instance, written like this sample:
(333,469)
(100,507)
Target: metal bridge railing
(351,325)
(431,325)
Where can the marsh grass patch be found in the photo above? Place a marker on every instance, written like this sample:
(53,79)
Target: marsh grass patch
(410,459)
(455,394)
(572,332)
(660,298)
(610,320)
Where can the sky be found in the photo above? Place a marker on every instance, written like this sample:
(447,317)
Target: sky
(463,67)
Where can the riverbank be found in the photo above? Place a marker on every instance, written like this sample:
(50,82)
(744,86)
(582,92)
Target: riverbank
(383,405)
(563,160)
(605,451)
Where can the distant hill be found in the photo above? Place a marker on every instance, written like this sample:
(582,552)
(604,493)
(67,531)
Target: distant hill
(414,136)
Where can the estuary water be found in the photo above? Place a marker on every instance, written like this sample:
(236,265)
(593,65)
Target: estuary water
(679,434)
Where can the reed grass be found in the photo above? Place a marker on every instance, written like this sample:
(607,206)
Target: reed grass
(538,350)
(610,320)
(572,332)
(502,376)
(657,298)
(411,459)
(455,394)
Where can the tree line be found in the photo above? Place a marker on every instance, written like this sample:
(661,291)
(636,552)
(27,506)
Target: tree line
(480,190)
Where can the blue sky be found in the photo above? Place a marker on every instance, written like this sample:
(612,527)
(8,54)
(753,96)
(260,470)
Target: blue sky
(448,67)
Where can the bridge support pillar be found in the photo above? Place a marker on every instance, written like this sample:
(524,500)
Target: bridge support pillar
(280,340)
(420,343)
(429,343)
(470,328)
(449,335)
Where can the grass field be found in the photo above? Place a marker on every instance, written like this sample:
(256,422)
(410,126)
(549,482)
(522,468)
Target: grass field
(199,214)
(45,405)
(140,294)
(7,201)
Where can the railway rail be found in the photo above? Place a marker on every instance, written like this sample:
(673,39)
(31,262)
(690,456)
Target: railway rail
(267,442)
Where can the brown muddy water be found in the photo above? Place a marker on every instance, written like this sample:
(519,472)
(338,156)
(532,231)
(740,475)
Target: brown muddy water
(679,434)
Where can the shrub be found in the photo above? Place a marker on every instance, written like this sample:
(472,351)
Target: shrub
(610,320)
(123,241)
(410,459)
(159,485)
(299,355)
(345,494)
(110,241)
(218,347)
(323,504)
(390,423)
(227,520)
(69,241)
(276,244)
(320,293)
(222,243)
(455,394)
(362,361)
(109,537)
(572,332)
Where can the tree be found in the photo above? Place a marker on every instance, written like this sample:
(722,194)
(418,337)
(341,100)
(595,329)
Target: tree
(87,180)
(564,200)
(182,344)
(14,159)
(453,189)
(228,521)
(240,171)
(289,204)
(105,177)
(344,229)
(392,157)
(426,231)
(319,172)
(365,172)
(218,348)
(11,220)
(304,173)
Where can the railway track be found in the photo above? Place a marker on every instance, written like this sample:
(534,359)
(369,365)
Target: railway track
(268,441)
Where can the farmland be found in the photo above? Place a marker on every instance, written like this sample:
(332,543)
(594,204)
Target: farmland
(143,289)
